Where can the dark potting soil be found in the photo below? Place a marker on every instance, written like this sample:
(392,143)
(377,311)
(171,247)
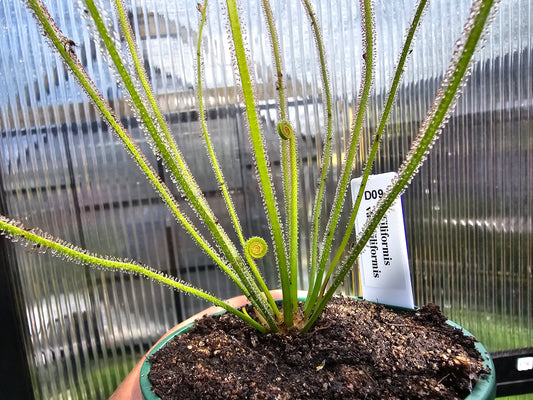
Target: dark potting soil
(357,350)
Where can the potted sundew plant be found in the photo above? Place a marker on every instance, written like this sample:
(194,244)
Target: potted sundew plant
(312,346)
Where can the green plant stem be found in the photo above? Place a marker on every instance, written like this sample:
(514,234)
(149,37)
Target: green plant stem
(213,158)
(280,87)
(293,221)
(289,160)
(340,193)
(218,171)
(262,284)
(70,252)
(433,124)
(58,40)
(265,181)
(173,158)
(326,154)
(274,40)
(415,23)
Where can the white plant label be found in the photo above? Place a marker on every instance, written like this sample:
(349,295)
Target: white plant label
(524,364)
(384,265)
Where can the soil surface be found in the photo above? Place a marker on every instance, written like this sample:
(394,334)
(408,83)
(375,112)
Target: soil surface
(357,350)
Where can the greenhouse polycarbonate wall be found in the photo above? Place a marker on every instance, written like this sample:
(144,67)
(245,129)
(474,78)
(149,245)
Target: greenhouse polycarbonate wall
(468,212)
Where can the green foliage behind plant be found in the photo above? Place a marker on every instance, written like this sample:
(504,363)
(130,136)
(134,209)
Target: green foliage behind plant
(330,262)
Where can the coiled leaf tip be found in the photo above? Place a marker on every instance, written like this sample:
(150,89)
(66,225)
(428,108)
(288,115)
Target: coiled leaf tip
(285,129)
(256,247)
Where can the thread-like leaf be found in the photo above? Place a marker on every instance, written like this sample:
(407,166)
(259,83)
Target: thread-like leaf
(168,149)
(325,159)
(376,140)
(455,77)
(74,254)
(260,159)
(340,194)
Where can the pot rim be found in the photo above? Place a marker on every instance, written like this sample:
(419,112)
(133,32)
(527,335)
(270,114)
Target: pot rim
(485,388)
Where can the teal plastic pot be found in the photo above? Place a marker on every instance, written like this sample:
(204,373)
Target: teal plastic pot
(485,388)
